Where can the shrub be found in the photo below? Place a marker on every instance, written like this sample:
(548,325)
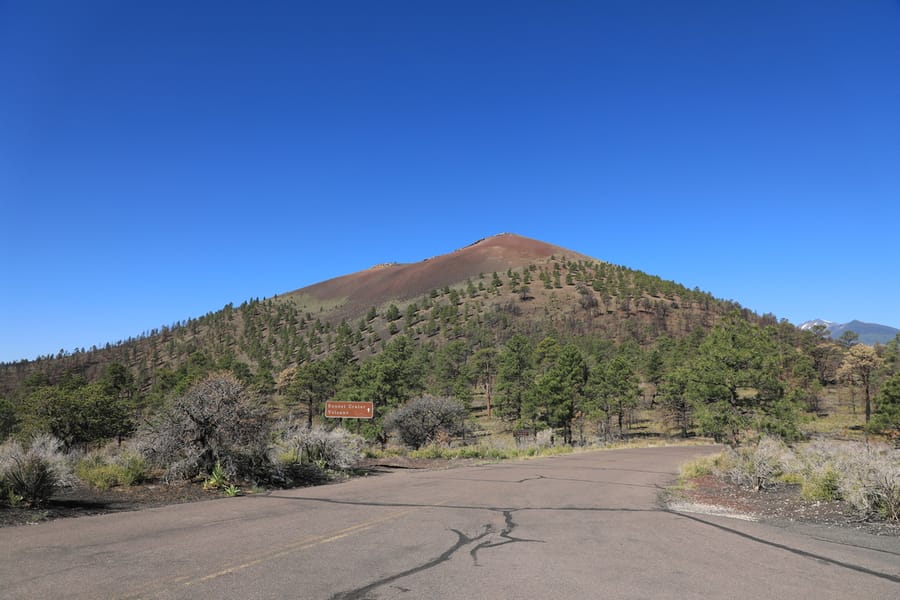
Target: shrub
(90,470)
(101,471)
(866,476)
(543,438)
(297,444)
(870,480)
(216,421)
(821,484)
(134,468)
(759,466)
(699,467)
(423,420)
(32,476)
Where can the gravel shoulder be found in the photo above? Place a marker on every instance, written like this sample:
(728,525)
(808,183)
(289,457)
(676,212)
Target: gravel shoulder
(781,505)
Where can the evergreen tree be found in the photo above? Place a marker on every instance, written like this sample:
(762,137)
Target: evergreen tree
(515,366)
(734,380)
(887,408)
(612,391)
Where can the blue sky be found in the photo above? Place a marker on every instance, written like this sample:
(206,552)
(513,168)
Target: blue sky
(159,160)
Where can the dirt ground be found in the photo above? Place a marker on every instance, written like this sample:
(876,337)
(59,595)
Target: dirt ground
(780,504)
(708,494)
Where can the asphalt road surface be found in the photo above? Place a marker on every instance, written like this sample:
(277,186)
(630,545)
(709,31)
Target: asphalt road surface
(581,526)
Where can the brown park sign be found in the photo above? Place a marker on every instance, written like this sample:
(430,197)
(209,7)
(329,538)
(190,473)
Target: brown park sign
(349,410)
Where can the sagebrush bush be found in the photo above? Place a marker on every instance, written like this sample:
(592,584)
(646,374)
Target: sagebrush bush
(757,467)
(544,438)
(870,480)
(295,443)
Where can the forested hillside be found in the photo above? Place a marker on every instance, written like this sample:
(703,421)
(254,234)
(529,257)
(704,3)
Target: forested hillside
(547,338)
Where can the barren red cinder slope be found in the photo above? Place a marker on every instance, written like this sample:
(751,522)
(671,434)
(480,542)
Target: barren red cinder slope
(403,281)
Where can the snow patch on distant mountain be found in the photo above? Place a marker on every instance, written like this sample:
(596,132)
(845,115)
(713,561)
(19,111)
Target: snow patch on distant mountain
(869,333)
(808,325)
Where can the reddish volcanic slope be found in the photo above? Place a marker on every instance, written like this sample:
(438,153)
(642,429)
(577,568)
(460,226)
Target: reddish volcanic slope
(403,281)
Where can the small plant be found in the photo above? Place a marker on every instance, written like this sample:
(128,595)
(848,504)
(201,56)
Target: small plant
(134,468)
(823,484)
(32,479)
(231,490)
(217,479)
(13,499)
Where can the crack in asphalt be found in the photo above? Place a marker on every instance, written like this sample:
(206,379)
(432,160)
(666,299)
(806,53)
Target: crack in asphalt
(507,538)
(362,593)
(505,534)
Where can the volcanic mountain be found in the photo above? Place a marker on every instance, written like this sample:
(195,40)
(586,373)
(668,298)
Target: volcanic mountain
(480,294)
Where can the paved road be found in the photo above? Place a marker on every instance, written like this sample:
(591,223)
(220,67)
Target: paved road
(580,526)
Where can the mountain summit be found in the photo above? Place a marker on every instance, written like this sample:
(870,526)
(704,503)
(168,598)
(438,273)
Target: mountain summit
(396,281)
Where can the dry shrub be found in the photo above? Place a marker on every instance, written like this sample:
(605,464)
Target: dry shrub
(866,476)
(870,480)
(217,421)
(758,466)
(421,421)
(296,443)
(33,475)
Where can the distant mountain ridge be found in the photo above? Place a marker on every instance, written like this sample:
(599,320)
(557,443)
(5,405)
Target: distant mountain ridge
(869,333)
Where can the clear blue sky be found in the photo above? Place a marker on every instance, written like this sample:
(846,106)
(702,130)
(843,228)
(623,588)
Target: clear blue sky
(160,161)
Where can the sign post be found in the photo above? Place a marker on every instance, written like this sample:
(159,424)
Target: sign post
(349,410)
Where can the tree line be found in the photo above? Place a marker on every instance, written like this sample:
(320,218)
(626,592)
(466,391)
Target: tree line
(737,379)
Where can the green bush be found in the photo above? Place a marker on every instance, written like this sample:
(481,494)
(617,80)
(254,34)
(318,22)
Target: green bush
(823,484)
(134,469)
(101,472)
(101,477)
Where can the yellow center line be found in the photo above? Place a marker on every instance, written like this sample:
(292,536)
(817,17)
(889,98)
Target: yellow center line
(304,545)
(300,545)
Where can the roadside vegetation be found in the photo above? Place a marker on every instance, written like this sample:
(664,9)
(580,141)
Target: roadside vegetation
(866,476)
